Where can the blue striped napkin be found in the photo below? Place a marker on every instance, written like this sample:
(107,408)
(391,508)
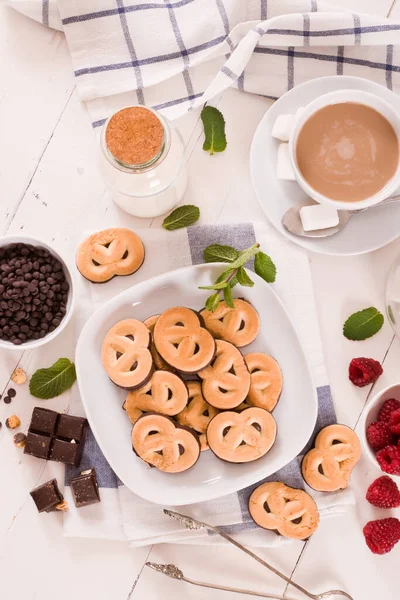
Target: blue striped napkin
(122,514)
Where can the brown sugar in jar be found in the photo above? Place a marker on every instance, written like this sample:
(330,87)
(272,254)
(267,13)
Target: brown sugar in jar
(135,135)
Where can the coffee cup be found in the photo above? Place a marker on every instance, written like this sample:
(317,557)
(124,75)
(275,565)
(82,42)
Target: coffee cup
(345,148)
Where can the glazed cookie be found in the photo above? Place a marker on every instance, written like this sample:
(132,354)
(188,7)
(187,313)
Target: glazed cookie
(108,253)
(164,444)
(241,437)
(239,325)
(289,511)
(328,466)
(266,380)
(158,361)
(226,381)
(165,393)
(182,341)
(198,413)
(125,354)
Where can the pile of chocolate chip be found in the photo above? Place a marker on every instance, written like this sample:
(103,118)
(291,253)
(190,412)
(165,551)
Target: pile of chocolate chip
(33,293)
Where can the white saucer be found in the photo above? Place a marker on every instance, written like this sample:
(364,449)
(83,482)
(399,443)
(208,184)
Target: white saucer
(365,232)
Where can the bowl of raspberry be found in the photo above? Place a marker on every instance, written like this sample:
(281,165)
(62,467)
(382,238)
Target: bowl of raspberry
(36,293)
(380,430)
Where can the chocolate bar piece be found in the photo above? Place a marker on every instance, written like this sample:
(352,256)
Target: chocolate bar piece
(85,489)
(37,445)
(71,428)
(69,453)
(47,496)
(43,421)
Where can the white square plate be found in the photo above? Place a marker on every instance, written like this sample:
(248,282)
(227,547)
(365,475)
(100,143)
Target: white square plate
(210,478)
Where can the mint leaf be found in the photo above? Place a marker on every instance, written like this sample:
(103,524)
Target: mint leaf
(244,256)
(224,275)
(216,286)
(228,297)
(243,277)
(183,216)
(214,130)
(51,382)
(218,253)
(363,324)
(264,267)
(212,302)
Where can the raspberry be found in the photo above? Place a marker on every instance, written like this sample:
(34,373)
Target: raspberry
(382,535)
(387,408)
(384,493)
(394,422)
(389,460)
(379,435)
(363,371)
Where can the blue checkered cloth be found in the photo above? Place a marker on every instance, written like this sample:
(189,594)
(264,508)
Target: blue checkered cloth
(177,54)
(123,515)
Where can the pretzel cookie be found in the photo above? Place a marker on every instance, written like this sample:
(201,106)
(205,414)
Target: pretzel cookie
(158,361)
(328,466)
(266,380)
(239,325)
(226,381)
(125,354)
(165,393)
(289,511)
(108,253)
(181,340)
(198,413)
(164,444)
(241,437)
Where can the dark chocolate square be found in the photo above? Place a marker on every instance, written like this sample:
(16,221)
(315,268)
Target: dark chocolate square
(71,428)
(37,445)
(85,489)
(43,421)
(47,496)
(69,453)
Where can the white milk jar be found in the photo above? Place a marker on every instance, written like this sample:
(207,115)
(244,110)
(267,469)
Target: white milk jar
(142,160)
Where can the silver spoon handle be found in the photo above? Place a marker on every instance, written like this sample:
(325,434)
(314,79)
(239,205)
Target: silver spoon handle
(391,200)
(175,573)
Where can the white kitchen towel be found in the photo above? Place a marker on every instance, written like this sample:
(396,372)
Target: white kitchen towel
(176,54)
(124,515)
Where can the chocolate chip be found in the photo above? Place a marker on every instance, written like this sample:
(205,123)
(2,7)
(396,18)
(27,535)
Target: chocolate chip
(12,393)
(7,400)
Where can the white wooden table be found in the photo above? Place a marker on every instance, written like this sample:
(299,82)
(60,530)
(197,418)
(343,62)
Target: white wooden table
(49,186)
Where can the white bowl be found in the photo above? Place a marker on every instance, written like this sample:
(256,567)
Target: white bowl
(371,414)
(356,96)
(30,345)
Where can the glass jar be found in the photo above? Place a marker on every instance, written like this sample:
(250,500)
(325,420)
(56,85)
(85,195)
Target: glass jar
(151,188)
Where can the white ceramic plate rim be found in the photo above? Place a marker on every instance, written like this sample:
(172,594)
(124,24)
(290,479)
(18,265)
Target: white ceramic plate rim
(346,82)
(207,492)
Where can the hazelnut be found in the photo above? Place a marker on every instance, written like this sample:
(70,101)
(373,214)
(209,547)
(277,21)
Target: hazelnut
(19,440)
(19,376)
(63,506)
(13,422)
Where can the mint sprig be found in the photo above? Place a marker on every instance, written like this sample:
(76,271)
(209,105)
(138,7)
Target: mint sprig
(183,216)
(53,381)
(236,273)
(214,130)
(363,324)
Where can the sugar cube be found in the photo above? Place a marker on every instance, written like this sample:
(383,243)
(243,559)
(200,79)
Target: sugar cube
(284,168)
(318,216)
(282,127)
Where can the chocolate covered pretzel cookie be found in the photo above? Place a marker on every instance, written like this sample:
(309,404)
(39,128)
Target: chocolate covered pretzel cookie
(125,354)
(108,253)
(239,325)
(198,412)
(241,437)
(165,393)
(164,444)
(288,511)
(328,466)
(266,380)
(182,341)
(226,381)
(159,362)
